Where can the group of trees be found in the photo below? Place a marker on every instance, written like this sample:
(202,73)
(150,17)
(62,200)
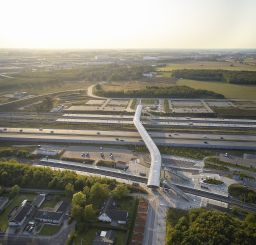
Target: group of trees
(236,77)
(87,192)
(12,152)
(160,92)
(106,72)
(202,227)
(242,192)
(12,173)
(12,192)
(86,204)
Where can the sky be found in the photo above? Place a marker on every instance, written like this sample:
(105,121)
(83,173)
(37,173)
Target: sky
(127,24)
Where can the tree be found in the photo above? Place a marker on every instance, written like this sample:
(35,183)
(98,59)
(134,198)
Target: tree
(89,213)
(69,189)
(86,190)
(99,192)
(120,191)
(1,190)
(77,212)
(79,199)
(15,190)
(201,226)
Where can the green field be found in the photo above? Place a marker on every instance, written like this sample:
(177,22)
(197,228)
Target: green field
(16,201)
(148,101)
(221,65)
(49,230)
(231,91)
(53,200)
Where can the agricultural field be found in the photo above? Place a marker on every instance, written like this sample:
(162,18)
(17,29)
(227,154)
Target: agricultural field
(231,91)
(215,65)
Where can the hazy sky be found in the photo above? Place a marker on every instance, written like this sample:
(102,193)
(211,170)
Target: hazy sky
(127,24)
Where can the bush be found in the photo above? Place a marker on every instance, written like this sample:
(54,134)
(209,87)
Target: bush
(213,181)
(243,193)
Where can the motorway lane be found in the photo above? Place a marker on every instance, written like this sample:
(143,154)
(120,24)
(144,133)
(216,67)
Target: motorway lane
(168,119)
(102,139)
(158,123)
(135,134)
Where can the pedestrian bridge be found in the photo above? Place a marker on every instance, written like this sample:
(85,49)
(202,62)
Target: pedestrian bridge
(156,160)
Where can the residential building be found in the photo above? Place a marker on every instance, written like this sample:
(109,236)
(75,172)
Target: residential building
(104,238)
(20,214)
(110,214)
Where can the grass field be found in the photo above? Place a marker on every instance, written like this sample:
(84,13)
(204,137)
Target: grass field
(52,201)
(49,230)
(128,86)
(148,101)
(231,91)
(16,201)
(222,65)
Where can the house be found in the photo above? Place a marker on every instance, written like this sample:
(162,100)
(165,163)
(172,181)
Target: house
(54,216)
(104,238)
(20,214)
(110,214)
(39,200)
(50,217)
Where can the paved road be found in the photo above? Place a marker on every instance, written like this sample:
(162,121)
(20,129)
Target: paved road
(119,133)
(150,222)
(159,123)
(90,91)
(107,139)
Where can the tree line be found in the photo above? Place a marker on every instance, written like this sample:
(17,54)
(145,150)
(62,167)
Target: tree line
(109,72)
(13,173)
(160,92)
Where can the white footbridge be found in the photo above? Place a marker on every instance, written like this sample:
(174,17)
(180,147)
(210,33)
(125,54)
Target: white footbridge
(156,159)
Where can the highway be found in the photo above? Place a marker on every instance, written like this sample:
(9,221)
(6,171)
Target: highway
(119,133)
(156,123)
(111,119)
(116,140)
